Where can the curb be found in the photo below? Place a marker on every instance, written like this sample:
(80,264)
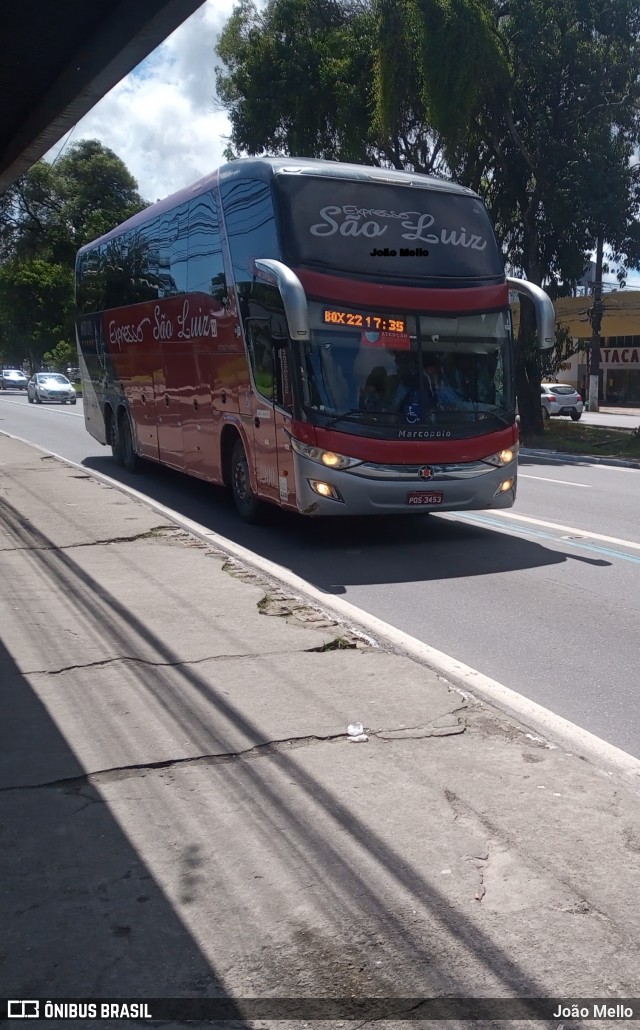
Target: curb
(553,729)
(577,459)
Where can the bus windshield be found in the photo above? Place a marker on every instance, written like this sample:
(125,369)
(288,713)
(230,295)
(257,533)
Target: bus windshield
(401,372)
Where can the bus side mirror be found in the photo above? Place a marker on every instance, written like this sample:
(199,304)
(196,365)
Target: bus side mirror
(545,311)
(294,299)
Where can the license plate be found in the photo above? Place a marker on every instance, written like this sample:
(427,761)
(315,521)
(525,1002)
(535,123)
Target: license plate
(420,497)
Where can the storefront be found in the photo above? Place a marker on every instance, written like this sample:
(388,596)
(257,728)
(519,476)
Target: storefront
(620,364)
(619,350)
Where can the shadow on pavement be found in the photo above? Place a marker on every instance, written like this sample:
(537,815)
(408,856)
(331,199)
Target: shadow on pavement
(82,913)
(332,554)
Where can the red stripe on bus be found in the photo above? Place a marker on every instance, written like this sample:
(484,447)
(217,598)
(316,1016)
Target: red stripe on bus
(403,298)
(406,452)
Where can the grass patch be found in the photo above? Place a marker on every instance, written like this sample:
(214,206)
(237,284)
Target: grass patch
(575,438)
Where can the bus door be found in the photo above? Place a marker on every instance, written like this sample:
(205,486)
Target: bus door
(273,459)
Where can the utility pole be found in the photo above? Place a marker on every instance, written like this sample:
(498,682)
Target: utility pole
(595,313)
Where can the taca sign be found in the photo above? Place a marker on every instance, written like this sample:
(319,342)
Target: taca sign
(620,355)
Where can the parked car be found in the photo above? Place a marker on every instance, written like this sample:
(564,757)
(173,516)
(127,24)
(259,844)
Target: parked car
(560,399)
(13,379)
(50,386)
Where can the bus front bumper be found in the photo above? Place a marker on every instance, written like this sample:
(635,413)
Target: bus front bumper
(370,489)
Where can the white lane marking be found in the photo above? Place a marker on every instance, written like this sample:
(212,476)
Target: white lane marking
(52,406)
(462,677)
(587,533)
(547,479)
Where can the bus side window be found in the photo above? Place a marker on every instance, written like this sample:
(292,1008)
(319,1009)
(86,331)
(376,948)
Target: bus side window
(205,266)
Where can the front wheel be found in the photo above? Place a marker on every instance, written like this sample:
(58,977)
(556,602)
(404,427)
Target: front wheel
(38,398)
(248,505)
(30,398)
(576,416)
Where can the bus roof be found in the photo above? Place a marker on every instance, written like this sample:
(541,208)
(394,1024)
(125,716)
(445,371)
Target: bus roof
(266,167)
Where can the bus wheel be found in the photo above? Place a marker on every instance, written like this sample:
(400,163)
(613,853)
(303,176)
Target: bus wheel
(115,442)
(130,459)
(245,500)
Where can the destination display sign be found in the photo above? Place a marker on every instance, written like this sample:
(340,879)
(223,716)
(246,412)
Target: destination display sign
(370,322)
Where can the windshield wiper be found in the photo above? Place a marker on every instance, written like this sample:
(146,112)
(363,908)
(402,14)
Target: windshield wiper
(496,415)
(347,414)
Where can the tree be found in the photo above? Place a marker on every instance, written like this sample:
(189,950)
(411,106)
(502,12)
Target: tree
(541,117)
(45,217)
(54,209)
(36,299)
(298,78)
(61,356)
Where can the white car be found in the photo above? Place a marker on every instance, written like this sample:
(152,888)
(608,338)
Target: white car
(51,386)
(560,399)
(12,379)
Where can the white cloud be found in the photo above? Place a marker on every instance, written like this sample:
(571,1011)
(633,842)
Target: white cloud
(162,120)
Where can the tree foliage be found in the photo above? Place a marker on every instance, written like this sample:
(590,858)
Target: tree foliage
(298,77)
(45,217)
(36,299)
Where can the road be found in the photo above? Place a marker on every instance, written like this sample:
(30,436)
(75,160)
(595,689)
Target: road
(543,598)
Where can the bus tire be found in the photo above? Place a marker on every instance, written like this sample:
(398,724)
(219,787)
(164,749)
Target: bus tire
(248,506)
(114,441)
(130,460)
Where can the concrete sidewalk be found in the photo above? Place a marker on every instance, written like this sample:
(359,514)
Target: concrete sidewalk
(183,814)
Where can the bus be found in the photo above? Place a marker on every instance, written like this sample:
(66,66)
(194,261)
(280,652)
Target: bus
(329,338)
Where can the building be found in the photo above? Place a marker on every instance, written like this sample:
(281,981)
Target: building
(620,346)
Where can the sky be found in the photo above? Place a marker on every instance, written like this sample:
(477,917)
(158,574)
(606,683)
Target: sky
(163,120)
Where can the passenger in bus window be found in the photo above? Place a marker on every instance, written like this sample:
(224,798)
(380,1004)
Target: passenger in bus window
(439,392)
(374,392)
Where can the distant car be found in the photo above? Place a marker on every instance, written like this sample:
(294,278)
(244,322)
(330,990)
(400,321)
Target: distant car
(560,399)
(13,379)
(50,386)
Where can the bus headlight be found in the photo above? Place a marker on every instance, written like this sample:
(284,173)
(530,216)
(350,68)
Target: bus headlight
(327,458)
(501,458)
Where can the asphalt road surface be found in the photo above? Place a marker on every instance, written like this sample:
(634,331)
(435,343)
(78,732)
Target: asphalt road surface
(544,597)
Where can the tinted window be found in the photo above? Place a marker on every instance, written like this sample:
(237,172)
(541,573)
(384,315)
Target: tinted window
(385,229)
(174,248)
(90,282)
(205,266)
(250,224)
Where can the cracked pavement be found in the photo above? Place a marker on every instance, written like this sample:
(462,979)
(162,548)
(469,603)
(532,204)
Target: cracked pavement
(182,814)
